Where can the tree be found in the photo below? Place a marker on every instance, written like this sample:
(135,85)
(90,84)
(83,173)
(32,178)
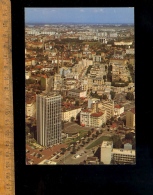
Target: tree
(88,139)
(85,136)
(72,119)
(112,93)
(30,81)
(89,133)
(68,149)
(130,96)
(73,150)
(119,119)
(92,130)
(93,136)
(112,118)
(117,143)
(101,131)
(104,77)
(104,96)
(63,150)
(103,125)
(101,163)
(97,133)
(129,136)
(108,122)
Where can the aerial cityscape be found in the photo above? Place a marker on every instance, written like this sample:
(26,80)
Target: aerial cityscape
(80,86)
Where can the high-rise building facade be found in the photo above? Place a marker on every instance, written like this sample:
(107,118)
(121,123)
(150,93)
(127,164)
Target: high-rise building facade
(48,116)
(130,118)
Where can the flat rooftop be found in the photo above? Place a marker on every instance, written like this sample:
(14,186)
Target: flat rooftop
(77,90)
(49,95)
(123,151)
(107,144)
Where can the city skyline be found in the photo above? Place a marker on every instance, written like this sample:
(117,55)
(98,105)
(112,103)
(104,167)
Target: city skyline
(80,15)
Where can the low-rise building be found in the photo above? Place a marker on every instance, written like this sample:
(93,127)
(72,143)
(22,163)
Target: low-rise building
(92,160)
(92,117)
(118,156)
(30,108)
(109,107)
(77,93)
(123,156)
(118,109)
(67,114)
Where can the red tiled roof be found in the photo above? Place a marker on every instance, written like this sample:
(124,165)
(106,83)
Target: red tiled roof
(97,114)
(46,152)
(113,125)
(86,110)
(117,106)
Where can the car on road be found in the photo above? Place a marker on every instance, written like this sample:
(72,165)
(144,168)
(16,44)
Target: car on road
(76,156)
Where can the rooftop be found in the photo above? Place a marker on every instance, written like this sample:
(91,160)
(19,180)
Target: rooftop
(107,144)
(123,151)
(97,114)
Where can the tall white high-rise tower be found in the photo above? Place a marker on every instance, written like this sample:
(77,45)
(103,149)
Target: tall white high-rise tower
(48,116)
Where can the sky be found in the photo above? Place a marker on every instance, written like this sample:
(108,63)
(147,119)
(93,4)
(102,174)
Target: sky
(79,15)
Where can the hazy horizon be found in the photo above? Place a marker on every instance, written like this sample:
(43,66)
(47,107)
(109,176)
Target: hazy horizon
(80,15)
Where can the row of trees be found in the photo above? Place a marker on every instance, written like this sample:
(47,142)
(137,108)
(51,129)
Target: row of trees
(95,95)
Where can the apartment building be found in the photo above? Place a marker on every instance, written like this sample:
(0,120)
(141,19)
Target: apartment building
(119,156)
(91,101)
(118,109)
(48,118)
(130,118)
(57,82)
(97,119)
(97,58)
(92,117)
(109,107)
(106,152)
(123,156)
(77,93)
(70,112)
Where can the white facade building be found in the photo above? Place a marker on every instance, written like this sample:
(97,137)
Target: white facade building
(118,110)
(123,156)
(67,114)
(106,149)
(91,101)
(77,93)
(120,156)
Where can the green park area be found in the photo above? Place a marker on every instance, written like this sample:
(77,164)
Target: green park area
(82,133)
(99,141)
